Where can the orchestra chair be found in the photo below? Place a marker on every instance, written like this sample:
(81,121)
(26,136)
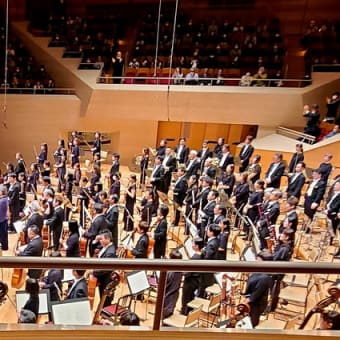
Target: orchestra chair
(114,311)
(278,324)
(179,320)
(103,156)
(210,308)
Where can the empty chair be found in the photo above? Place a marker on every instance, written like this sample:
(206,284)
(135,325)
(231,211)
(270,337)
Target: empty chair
(179,320)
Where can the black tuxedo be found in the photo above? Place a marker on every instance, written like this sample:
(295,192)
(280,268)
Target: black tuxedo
(56,225)
(147,211)
(114,168)
(296,158)
(179,192)
(210,172)
(275,176)
(14,201)
(202,198)
(160,235)
(203,154)
(170,163)
(140,251)
(333,208)
(20,167)
(182,157)
(293,220)
(241,193)
(295,185)
(34,248)
(72,243)
(207,215)
(192,167)
(112,216)
(157,178)
(245,153)
(315,197)
(226,160)
(104,276)
(80,290)
(35,219)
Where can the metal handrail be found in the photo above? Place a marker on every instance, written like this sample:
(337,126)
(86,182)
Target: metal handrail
(304,136)
(45,90)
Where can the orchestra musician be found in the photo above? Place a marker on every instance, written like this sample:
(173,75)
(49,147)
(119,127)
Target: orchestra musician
(130,201)
(147,207)
(75,152)
(191,279)
(290,220)
(297,157)
(112,217)
(42,157)
(95,178)
(114,167)
(140,251)
(208,169)
(245,153)
(223,238)
(227,181)
(33,248)
(160,233)
(218,147)
(22,194)
(240,195)
(169,165)
(157,179)
(97,144)
(179,193)
(160,151)
(201,198)
(20,166)
(34,218)
(61,151)
(33,179)
(254,169)
(71,142)
(46,183)
(79,287)
(55,222)
(144,164)
(182,151)
(326,167)
(204,154)
(296,181)
(206,214)
(61,172)
(46,169)
(77,174)
(3,217)
(71,245)
(47,204)
(275,172)
(32,288)
(96,160)
(115,184)
(256,294)
(226,158)
(108,251)
(190,200)
(13,195)
(192,164)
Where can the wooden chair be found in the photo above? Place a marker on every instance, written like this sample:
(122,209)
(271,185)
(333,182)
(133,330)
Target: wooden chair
(210,308)
(113,311)
(179,320)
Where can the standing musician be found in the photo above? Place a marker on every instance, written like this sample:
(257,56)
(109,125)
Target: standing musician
(46,183)
(3,217)
(21,166)
(227,182)
(208,169)
(191,279)
(75,152)
(297,157)
(34,218)
(179,193)
(223,238)
(291,219)
(97,144)
(115,184)
(190,200)
(71,142)
(226,158)
(169,165)
(296,181)
(275,172)
(95,178)
(61,172)
(333,209)
(157,179)
(77,174)
(245,153)
(160,233)
(206,214)
(98,224)
(114,167)
(67,192)
(326,167)
(209,252)
(108,251)
(130,201)
(33,179)
(314,195)
(254,169)
(22,194)
(182,151)
(46,169)
(84,197)
(218,147)
(144,164)
(112,217)
(56,221)
(33,248)
(201,198)
(71,245)
(42,157)
(140,251)
(61,151)
(47,204)
(192,164)
(147,207)
(257,290)
(204,154)
(240,194)
(79,287)
(13,200)
(160,151)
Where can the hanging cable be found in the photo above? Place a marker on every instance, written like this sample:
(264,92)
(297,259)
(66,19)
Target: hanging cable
(173,40)
(157,36)
(4,106)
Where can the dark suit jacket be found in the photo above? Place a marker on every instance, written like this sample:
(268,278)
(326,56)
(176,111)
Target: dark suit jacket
(210,250)
(56,221)
(208,213)
(228,160)
(183,156)
(141,249)
(73,249)
(210,172)
(158,178)
(14,200)
(241,193)
(203,155)
(35,219)
(80,290)
(112,216)
(34,248)
(296,158)
(317,193)
(160,235)
(275,177)
(246,156)
(334,207)
(294,188)
(114,168)
(104,276)
(201,198)
(194,168)
(180,190)
(292,219)
(20,167)
(272,212)
(98,224)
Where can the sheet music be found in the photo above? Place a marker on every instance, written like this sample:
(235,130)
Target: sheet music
(219,278)
(137,282)
(183,252)
(72,312)
(19,226)
(248,254)
(188,247)
(68,276)
(192,228)
(44,300)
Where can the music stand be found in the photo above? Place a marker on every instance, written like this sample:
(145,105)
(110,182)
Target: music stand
(192,228)
(219,278)
(138,283)
(182,251)
(188,247)
(248,254)
(75,312)
(22,296)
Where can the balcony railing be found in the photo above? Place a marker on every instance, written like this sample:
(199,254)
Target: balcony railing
(45,91)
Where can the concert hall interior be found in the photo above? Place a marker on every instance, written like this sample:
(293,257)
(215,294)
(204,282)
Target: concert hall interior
(169,138)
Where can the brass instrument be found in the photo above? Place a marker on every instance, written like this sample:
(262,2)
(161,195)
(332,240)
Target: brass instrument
(334,295)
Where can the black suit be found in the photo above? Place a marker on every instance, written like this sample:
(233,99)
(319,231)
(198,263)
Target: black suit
(157,178)
(34,248)
(80,290)
(210,172)
(245,153)
(104,276)
(203,154)
(20,167)
(160,236)
(296,158)
(293,221)
(315,197)
(207,216)
(169,163)
(14,201)
(72,243)
(140,251)
(182,156)
(114,169)
(295,185)
(275,176)
(112,216)
(192,167)
(56,225)
(225,161)
(179,193)
(333,208)
(35,219)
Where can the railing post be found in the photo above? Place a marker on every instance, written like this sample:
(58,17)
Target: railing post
(159,302)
